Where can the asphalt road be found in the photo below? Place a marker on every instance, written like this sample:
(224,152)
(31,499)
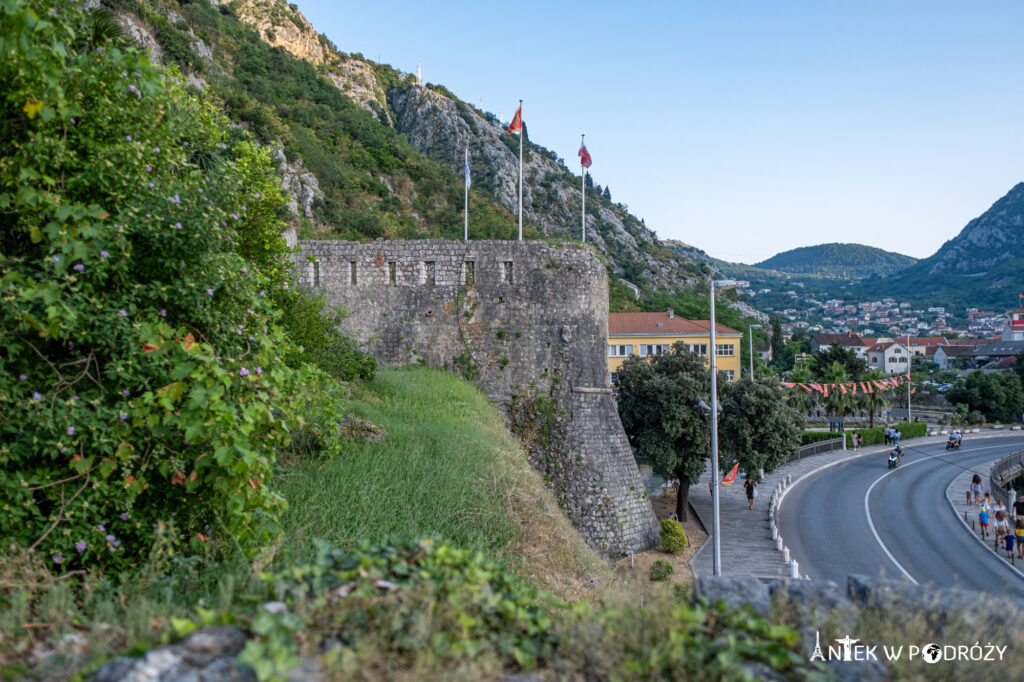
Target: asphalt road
(861,517)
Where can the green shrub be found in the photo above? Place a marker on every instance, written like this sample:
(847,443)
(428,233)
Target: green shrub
(876,436)
(912,429)
(975,418)
(673,537)
(661,570)
(141,376)
(403,596)
(808,437)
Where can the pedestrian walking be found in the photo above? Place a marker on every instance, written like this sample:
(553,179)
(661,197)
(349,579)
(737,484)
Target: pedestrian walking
(751,489)
(1009,540)
(1019,532)
(1002,526)
(895,433)
(976,488)
(887,434)
(859,443)
(998,506)
(983,521)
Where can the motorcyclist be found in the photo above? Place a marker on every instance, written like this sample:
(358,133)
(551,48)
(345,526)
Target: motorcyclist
(959,437)
(952,439)
(897,456)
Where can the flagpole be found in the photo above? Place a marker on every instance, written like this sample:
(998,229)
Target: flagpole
(583,191)
(520,171)
(465,234)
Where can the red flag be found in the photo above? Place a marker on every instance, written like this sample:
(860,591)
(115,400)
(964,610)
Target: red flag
(731,476)
(585,159)
(517,120)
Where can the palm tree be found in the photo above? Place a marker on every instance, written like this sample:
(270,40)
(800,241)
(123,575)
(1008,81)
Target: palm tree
(838,403)
(802,401)
(876,400)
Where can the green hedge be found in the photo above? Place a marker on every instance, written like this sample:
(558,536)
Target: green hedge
(876,436)
(808,437)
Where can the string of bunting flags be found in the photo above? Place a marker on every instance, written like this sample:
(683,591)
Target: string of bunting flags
(852,387)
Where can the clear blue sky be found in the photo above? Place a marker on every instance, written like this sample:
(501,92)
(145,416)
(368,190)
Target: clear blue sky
(744,128)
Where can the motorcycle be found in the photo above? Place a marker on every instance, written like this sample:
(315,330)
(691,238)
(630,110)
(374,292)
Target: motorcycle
(953,444)
(894,459)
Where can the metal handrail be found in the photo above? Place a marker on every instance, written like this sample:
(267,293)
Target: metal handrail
(816,449)
(997,476)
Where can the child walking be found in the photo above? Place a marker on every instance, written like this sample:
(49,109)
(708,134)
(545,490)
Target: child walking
(1009,539)
(983,521)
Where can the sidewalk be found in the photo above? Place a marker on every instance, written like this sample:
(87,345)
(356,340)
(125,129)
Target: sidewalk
(750,550)
(747,548)
(968,513)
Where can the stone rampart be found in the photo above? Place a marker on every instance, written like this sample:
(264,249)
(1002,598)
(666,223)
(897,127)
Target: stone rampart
(528,322)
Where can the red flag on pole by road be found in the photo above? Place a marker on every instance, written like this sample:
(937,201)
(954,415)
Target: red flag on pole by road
(517,120)
(585,159)
(731,476)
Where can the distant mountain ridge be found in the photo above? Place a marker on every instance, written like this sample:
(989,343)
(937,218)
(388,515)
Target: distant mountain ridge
(854,261)
(981,266)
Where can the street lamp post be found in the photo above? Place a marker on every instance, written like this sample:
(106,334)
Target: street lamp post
(750,331)
(714,429)
(910,364)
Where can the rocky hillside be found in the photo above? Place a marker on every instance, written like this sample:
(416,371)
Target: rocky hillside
(848,260)
(981,266)
(366,152)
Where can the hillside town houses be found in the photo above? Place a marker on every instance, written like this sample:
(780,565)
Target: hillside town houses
(894,354)
(886,318)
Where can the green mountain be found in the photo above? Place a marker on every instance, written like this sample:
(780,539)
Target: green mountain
(853,261)
(367,152)
(981,266)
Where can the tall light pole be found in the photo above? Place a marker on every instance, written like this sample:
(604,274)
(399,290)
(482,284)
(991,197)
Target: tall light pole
(714,428)
(910,364)
(750,331)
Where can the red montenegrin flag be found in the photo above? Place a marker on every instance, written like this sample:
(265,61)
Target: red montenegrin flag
(517,120)
(731,476)
(585,159)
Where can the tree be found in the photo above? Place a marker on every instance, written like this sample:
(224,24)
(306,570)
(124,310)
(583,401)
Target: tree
(837,403)
(999,397)
(800,400)
(777,340)
(657,405)
(757,427)
(853,365)
(874,400)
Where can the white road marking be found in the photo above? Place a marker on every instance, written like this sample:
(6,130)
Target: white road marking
(867,509)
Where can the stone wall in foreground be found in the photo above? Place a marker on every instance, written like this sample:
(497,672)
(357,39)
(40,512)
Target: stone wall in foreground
(528,322)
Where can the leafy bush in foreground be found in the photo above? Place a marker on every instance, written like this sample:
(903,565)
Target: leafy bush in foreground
(673,537)
(141,376)
(661,570)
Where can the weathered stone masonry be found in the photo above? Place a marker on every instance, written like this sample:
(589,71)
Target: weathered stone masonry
(533,318)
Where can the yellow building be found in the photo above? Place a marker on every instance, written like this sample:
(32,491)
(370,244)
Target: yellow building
(647,334)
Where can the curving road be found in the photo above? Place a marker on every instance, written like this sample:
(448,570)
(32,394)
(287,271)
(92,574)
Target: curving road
(860,517)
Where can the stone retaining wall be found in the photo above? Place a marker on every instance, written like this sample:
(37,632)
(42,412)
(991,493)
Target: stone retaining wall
(525,320)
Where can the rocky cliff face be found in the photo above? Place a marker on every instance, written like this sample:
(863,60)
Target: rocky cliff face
(283,25)
(996,236)
(439,126)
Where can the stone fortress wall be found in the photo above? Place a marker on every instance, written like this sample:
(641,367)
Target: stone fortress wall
(529,321)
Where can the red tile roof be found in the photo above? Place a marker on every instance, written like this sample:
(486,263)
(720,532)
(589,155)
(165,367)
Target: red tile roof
(661,323)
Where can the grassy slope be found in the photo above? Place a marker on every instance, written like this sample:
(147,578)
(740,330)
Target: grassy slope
(449,467)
